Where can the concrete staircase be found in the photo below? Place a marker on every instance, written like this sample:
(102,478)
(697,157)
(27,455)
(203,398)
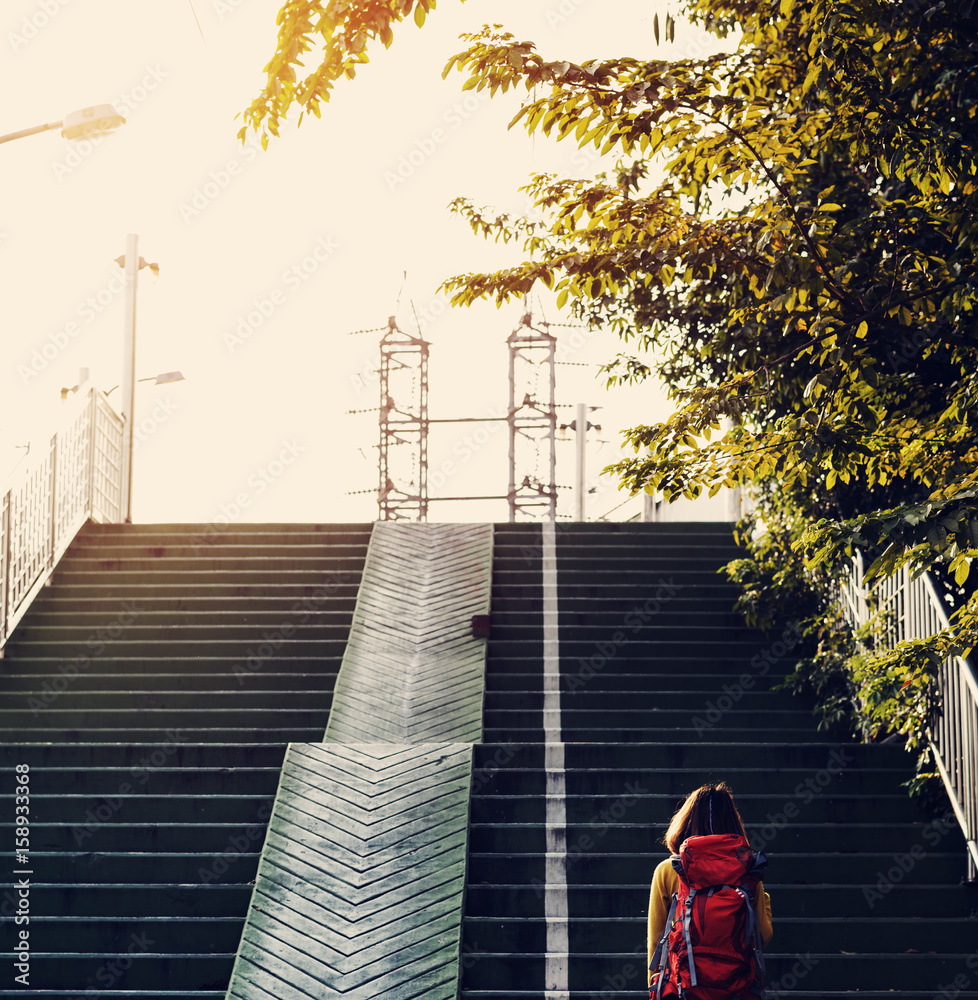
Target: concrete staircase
(662,689)
(153,688)
(152,691)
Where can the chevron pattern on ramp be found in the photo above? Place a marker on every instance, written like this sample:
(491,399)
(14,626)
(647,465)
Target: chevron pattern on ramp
(359,891)
(413,672)
(360,884)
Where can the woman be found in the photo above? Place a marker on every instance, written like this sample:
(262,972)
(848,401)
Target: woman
(708,810)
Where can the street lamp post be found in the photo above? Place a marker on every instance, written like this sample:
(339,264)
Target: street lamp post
(82,124)
(132,262)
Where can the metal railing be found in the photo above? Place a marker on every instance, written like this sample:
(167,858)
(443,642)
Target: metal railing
(913,609)
(77,478)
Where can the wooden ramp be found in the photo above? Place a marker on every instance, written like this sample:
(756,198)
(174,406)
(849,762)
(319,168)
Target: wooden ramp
(360,886)
(412,672)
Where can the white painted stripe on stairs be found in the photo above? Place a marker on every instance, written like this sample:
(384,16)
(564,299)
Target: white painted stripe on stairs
(556,983)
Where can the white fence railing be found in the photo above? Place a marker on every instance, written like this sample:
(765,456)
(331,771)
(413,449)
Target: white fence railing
(913,609)
(79,476)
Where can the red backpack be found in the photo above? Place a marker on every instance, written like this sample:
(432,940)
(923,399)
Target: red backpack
(711,947)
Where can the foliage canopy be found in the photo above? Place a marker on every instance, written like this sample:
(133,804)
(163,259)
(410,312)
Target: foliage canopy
(791,231)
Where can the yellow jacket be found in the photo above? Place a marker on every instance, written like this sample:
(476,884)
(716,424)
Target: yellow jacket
(665,882)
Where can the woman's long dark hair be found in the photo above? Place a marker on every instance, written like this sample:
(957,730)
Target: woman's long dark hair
(710,809)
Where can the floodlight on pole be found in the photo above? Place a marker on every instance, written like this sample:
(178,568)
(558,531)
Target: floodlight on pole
(86,123)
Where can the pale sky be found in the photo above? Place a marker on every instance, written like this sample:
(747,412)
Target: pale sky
(269,259)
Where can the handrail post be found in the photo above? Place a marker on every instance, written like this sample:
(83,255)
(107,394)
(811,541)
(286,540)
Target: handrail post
(5,520)
(914,609)
(92,434)
(129,372)
(38,528)
(53,534)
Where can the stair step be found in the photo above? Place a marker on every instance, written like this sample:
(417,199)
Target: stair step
(134,970)
(82,935)
(590,734)
(255,662)
(921,901)
(213,733)
(227,700)
(156,756)
(147,776)
(181,648)
(793,935)
(835,808)
(76,899)
(299,546)
(226,863)
(187,589)
(178,601)
(781,836)
(239,679)
(198,567)
(152,616)
(619,971)
(798,784)
(586,866)
(182,720)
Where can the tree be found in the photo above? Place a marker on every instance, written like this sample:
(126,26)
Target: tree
(343,30)
(790,232)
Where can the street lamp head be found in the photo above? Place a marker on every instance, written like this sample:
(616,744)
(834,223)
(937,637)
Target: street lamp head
(90,122)
(166,377)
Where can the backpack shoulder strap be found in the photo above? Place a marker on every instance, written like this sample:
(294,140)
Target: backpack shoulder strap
(660,958)
(687,920)
(752,933)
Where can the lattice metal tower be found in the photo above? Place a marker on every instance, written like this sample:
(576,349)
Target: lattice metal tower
(532,422)
(403,488)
